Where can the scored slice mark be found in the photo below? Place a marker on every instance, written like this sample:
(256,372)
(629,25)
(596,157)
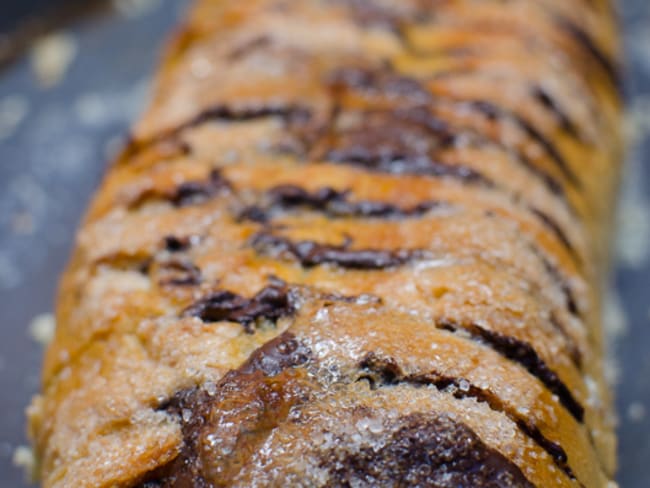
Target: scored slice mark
(381,372)
(525,355)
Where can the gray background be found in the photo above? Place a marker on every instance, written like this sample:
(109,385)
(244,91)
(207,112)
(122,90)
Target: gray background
(54,143)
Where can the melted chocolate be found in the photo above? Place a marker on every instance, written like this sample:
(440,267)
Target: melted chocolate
(178,273)
(195,192)
(332,203)
(385,83)
(311,253)
(272,302)
(411,92)
(401,141)
(425,449)
(386,372)
(177,244)
(256,397)
(285,351)
(256,110)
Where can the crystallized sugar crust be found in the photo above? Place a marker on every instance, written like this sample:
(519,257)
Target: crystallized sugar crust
(351,243)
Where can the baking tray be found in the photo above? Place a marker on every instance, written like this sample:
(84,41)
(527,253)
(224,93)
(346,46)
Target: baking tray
(58,129)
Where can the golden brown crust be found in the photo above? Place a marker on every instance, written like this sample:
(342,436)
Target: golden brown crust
(340,220)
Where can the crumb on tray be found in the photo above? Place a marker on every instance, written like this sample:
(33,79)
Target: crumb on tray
(42,327)
(24,459)
(51,56)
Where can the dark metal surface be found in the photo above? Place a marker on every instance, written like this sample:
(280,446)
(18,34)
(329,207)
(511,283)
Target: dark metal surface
(53,146)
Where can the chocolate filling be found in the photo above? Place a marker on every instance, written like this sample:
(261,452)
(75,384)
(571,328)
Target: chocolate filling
(311,253)
(256,398)
(178,273)
(425,449)
(271,303)
(401,141)
(177,244)
(255,110)
(384,83)
(331,202)
(385,372)
(195,192)
(420,449)
(412,92)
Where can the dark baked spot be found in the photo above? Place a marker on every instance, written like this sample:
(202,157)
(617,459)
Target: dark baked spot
(271,303)
(255,398)
(311,253)
(376,368)
(331,202)
(194,192)
(425,449)
(525,355)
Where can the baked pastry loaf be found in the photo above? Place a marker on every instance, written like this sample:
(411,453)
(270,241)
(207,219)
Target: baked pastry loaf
(351,243)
